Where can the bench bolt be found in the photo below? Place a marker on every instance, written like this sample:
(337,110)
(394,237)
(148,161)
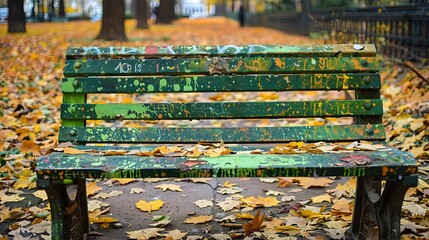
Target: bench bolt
(369,131)
(367,105)
(73,132)
(77,65)
(76,84)
(367,81)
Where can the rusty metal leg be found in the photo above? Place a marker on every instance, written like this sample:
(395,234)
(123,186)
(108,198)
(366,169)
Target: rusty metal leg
(66,214)
(377,212)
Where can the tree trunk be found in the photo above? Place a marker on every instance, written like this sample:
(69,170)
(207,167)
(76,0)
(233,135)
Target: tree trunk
(62,9)
(51,10)
(113,21)
(166,13)
(142,13)
(16,21)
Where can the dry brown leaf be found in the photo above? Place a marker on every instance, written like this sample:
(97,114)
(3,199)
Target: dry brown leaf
(254,225)
(199,219)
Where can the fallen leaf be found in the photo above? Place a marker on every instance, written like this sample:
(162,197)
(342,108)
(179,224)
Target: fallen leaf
(113,193)
(10,198)
(204,203)
(322,198)
(137,190)
(228,204)
(199,219)
(149,206)
(226,184)
(230,190)
(70,150)
(175,235)
(41,194)
(245,215)
(124,181)
(268,180)
(313,182)
(275,193)
(254,225)
(92,188)
(284,182)
(171,187)
(144,234)
(260,201)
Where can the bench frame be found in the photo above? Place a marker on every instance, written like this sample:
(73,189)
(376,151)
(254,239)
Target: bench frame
(377,208)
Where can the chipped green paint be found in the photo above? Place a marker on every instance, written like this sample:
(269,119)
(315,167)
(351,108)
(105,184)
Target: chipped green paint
(289,82)
(233,135)
(221,50)
(223,110)
(242,165)
(186,66)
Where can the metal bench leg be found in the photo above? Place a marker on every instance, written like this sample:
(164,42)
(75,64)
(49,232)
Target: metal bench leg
(377,213)
(66,213)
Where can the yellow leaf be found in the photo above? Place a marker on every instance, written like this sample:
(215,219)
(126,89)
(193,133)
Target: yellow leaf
(260,201)
(103,220)
(70,150)
(322,198)
(226,184)
(124,181)
(92,188)
(245,215)
(199,219)
(149,206)
(41,194)
(314,182)
(171,187)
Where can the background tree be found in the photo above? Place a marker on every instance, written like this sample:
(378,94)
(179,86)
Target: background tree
(142,13)
(166,13)
(61,9)
(113,21)
(16,19)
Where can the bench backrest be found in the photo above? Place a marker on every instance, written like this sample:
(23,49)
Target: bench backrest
(190,69)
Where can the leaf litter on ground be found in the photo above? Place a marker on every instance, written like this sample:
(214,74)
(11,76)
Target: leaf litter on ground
(29,123)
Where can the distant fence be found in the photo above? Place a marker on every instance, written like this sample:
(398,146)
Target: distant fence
(400,32)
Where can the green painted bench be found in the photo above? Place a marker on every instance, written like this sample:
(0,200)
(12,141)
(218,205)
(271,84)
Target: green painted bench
(212,69)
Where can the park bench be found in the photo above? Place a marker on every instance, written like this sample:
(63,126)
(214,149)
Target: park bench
(142,71)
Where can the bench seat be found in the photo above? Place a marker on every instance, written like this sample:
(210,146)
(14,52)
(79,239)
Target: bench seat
(384,162)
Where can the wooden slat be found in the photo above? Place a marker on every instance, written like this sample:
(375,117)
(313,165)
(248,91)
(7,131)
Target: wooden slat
(221,50)
(390,162)
(346,81)
(230,135)
(221,110)
(187,66)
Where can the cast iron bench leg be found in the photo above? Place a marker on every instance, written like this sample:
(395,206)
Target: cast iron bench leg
(70,221)
(377,213)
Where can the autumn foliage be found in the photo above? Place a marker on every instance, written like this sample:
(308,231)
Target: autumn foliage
(30,75)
